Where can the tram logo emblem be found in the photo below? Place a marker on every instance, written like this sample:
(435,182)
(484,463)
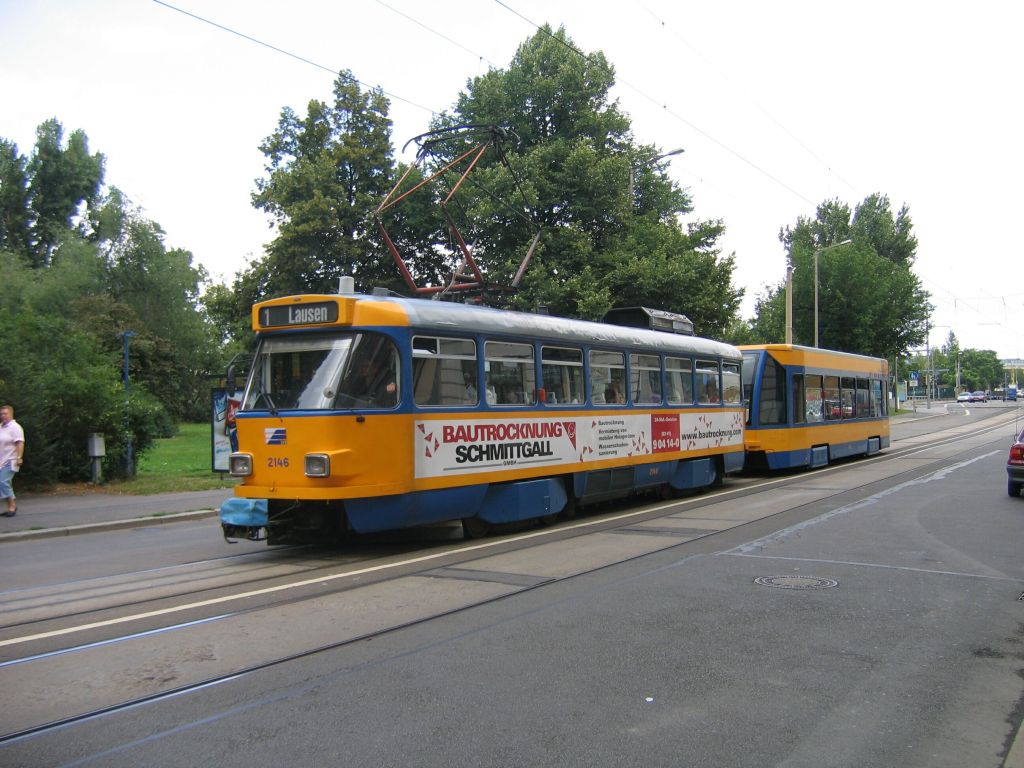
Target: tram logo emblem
(570,432)
(275,436)
(431,443)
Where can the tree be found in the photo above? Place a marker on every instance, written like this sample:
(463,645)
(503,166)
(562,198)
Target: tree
(326,173)
(869,300)
(569,162)
(79,268)
(15,213)
(61,179)
(566,165)
(981,369)
(156,292)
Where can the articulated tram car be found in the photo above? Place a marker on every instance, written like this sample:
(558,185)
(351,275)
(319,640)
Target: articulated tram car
(809,406)
(368,413)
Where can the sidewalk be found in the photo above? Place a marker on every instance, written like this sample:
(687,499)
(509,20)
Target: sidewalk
(60,515)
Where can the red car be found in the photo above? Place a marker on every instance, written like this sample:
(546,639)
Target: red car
(1015,467)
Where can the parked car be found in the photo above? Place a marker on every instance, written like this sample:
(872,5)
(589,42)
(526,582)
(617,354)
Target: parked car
(964,397)
(978,396)
(1015,467)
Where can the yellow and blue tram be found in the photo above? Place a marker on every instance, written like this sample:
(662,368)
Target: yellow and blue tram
(368,413)
(809,406)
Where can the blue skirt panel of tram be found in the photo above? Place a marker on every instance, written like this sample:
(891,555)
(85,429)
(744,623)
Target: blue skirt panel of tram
(820,455)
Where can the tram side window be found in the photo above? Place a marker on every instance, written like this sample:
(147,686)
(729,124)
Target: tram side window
(750,360)
(679,374)
(832,407)
(772,403)
(799,402)
(731,383)
(607,377)
(444,371)
(645,379)
(561,372)
(511,373)
(849,393)
(814,404)
(863,399)
(707,381)
(875,397)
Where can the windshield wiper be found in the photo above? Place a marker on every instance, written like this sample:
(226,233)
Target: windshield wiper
(264,395)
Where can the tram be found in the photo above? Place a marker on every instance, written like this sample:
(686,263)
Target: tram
(368,413)
(809,406)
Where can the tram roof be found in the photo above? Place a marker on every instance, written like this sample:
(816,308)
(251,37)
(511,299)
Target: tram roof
(468,318)
(795,354)
(474,318)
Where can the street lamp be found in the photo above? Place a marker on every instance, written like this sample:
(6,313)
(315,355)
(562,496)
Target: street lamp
(632,173)
(129,461)
(817,253)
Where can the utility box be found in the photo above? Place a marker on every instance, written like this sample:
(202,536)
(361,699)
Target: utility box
(97,450)
(97,447)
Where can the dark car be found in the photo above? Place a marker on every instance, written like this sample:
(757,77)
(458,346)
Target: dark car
(978,397)
(1015,467)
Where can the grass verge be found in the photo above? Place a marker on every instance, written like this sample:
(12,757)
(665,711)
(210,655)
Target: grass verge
(179,463)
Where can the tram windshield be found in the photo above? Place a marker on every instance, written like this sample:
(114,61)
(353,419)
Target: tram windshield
(323,372)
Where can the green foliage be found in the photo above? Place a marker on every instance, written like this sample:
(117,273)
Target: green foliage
(59,179)
(59,397)
(980,369)
(869,300)
(566,166)
(608,214)
(769,323)
(15,213)
(80,268)
(326,172)
(952,366)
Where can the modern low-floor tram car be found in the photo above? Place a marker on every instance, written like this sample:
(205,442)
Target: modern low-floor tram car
(368,413)
(809,406)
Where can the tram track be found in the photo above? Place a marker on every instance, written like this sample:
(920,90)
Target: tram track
(340,582)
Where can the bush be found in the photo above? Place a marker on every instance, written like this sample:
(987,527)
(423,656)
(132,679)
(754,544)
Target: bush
(62,396)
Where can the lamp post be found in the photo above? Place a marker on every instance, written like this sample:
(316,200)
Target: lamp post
(817,253)
(632,173)
(129,461)
(789,303)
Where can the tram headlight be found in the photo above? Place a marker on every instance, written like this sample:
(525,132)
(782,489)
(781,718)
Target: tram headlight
(318,465)
(240,464)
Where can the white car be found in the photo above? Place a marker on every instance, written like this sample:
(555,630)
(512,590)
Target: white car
(963,397)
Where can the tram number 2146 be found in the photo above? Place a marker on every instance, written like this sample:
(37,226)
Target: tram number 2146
(276,461)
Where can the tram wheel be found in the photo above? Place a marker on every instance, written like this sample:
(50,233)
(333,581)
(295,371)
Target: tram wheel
(475,528)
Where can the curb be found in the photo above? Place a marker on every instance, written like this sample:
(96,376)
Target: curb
(135,522)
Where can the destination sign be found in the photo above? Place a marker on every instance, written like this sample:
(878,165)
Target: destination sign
(299,314)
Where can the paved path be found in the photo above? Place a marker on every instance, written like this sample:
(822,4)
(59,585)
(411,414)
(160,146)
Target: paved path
(63,514)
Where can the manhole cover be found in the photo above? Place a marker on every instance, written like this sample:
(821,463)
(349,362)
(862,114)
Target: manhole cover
(796,582)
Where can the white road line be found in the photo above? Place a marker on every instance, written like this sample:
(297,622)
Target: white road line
(865,502)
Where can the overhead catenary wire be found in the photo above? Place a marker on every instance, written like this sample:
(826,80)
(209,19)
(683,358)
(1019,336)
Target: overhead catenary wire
(284,52)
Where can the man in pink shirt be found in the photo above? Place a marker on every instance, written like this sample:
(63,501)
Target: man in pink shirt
(12,446)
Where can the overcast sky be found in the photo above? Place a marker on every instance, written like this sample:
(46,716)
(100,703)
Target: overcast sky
(779,107)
